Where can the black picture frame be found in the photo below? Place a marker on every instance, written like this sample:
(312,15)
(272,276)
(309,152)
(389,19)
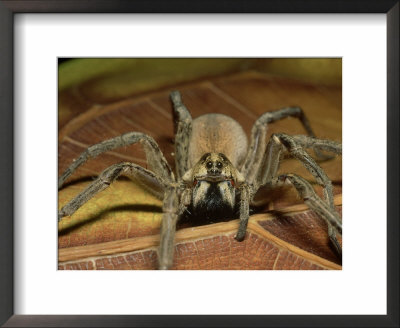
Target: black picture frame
(7,11)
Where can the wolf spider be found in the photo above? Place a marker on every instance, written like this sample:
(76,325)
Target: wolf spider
(217,173)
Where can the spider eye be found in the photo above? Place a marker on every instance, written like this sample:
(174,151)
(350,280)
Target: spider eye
(219,165)
(209,165)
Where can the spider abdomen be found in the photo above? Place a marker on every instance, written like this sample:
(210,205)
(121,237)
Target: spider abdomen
(217,133)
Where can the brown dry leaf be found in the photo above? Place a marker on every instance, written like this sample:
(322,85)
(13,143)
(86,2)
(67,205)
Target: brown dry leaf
(118,229)
(291,240)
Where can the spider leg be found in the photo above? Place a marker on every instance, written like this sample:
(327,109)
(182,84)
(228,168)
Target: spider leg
(183,130)
(281,142)
(107,177)
(307,193)
(155,158)
(172,212)
(314,143)
(294,145)
(258,136)
(245,195)
(333,239)
(170,207)
(168,228)
(331,146)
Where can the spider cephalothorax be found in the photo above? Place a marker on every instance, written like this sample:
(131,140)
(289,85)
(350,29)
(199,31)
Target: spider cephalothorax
(214,181)
(217,172)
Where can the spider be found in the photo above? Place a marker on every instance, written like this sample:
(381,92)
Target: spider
(217,172)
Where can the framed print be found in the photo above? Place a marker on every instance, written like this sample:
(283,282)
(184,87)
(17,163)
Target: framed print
(256,44)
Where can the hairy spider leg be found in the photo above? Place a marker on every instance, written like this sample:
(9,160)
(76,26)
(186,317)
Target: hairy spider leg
(168,228)
(183,131)
(294,145)
(245,196)
(103,181)
(162,173)
(311,199)
(280,142)
(170,204)
(314,143)
(329,146)
(154,156)
(258,140)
